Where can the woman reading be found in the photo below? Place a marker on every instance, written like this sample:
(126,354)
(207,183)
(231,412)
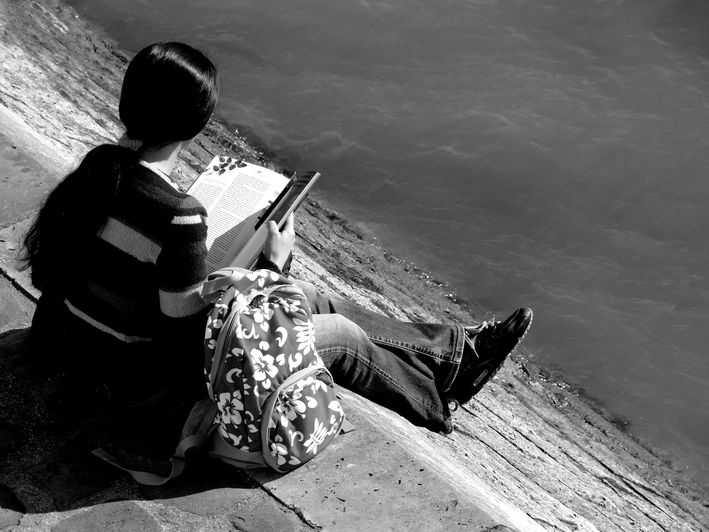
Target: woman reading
(118,252)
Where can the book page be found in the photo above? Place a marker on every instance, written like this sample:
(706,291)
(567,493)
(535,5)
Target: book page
(234,196)
(288,200)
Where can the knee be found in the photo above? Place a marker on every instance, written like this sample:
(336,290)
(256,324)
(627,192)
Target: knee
(311,293)
(334,331)
(307,287)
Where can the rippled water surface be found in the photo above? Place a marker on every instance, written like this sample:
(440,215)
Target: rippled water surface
(551,153)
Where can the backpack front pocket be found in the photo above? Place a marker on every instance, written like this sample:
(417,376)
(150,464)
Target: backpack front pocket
(300,418)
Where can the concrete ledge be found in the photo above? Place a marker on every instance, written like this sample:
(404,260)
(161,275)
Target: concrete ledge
(384,475)
(29,167)
(389,475)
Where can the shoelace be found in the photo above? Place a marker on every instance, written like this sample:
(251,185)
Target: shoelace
(479,329)
(454,404)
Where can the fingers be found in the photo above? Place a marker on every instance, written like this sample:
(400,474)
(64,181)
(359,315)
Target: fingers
(289,226)
(279,244)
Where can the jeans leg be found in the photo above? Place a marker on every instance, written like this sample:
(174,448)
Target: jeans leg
(400,365)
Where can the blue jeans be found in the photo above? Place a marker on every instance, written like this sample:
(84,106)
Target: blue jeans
(406,367)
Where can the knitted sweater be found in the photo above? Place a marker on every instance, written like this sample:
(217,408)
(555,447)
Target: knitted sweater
(146,264)
(133,316)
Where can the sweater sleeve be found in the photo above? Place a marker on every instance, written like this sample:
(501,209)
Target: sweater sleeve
(262,263)
(181,265)
(181,271)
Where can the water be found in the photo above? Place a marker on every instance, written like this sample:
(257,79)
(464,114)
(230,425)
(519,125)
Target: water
(550,153)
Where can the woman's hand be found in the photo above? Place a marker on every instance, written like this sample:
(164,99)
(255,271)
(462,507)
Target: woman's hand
(279,244)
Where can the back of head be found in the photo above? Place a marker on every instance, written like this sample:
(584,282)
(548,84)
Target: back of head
(169,92)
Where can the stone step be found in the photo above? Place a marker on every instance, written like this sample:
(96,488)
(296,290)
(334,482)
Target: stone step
(15,308)
(11,267)
(384,475)
(29,168)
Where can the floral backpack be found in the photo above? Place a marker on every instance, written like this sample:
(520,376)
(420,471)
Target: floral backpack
(271,399)
(275,398)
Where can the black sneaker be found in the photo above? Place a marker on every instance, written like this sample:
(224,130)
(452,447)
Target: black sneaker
(487,347)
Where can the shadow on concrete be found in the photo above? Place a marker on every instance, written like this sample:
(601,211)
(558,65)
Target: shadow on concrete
(49,423)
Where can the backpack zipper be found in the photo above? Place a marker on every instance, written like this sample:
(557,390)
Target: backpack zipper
(217,367)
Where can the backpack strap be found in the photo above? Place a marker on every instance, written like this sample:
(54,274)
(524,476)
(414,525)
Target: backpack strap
(197,429)
(220,280)
(219,348)
(151,479)
(347,426)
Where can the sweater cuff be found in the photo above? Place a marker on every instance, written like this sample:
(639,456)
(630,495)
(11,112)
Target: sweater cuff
(262,263)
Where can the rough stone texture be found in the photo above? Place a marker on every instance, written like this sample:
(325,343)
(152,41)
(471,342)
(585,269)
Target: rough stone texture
(364,481)
(9,518)
(528,453)
(210,488)
(258,515)
(15,309)
(35,180)
(72,478)
(118,516)
(18,313)
(213,501)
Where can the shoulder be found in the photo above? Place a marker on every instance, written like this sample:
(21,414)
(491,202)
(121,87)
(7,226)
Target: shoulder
(142,188)
(186,204)
(188,210)
(151,206)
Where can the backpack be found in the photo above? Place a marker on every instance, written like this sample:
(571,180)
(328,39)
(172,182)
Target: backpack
(275,397)
(271,400)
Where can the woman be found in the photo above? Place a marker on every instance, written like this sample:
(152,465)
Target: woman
(119,255)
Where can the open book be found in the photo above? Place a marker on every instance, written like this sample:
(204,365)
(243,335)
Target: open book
(240,198)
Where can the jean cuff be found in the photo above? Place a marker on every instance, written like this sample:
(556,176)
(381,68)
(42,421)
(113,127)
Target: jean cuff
(456,358)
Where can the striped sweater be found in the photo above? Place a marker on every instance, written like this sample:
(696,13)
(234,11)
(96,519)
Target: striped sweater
(133,312)
(146,264)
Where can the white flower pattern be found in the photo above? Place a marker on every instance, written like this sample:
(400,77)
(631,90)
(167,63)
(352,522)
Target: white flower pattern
(316,437)
(268,340)
(292,406)
(293,305)
(231,407)
(262,316)
(305,335)
(264,370)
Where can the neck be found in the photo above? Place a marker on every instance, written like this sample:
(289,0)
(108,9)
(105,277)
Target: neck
(163,158)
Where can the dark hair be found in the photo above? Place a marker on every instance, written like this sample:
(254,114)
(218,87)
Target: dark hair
(169,93)
(77,208)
